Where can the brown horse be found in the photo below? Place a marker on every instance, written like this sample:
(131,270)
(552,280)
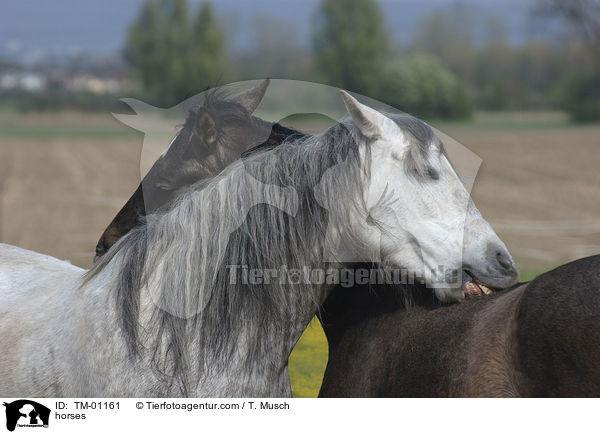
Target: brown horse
(539,339)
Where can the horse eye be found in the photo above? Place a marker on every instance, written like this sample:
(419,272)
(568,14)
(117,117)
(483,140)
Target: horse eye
(432,173)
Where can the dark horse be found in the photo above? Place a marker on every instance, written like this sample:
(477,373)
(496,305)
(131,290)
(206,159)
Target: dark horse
(539,339)
(214,134)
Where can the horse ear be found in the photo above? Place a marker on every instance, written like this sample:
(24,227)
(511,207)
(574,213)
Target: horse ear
(206,127)
(367,120)
(251,98)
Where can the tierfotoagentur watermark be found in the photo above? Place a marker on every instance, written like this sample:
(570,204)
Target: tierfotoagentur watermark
(345,277)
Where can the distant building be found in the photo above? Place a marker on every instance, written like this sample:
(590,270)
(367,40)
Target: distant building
(23,80)
(97,85)
(64,81)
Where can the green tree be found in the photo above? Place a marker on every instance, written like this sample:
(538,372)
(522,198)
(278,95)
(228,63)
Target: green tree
(579,95)
(422,86)
(174,56)
(207,54)
(274,49)
(449,35)
(497,81)
(350,43)
(579,92)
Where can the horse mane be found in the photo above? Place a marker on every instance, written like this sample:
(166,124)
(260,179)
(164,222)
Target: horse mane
(193,296)
(179,253)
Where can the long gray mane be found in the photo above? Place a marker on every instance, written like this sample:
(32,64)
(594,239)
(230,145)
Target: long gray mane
(175,251)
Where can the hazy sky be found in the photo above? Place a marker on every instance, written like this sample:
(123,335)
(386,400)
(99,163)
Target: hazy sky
(30,29)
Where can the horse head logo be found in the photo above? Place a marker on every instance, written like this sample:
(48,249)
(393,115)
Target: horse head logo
(26,412)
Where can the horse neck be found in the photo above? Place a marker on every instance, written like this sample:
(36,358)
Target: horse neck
(248,329)
(259,346)
(361,303)
(243,350)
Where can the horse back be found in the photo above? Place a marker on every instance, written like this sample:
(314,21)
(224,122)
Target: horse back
(558,331)
(36,295)
(23,272)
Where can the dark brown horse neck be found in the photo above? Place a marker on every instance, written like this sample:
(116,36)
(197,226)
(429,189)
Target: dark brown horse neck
(539,339)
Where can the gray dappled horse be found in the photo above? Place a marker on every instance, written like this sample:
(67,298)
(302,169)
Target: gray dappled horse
(158,314)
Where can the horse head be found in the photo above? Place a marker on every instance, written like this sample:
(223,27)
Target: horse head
(419,214)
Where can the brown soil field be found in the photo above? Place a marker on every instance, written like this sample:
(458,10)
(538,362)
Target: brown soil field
(539,186)
(540,190)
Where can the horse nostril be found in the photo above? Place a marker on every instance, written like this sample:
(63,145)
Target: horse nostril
(504,260)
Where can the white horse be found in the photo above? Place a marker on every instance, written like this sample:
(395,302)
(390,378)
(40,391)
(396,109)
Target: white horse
(159,314)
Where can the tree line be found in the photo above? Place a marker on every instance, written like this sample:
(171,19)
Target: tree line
(446,71)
